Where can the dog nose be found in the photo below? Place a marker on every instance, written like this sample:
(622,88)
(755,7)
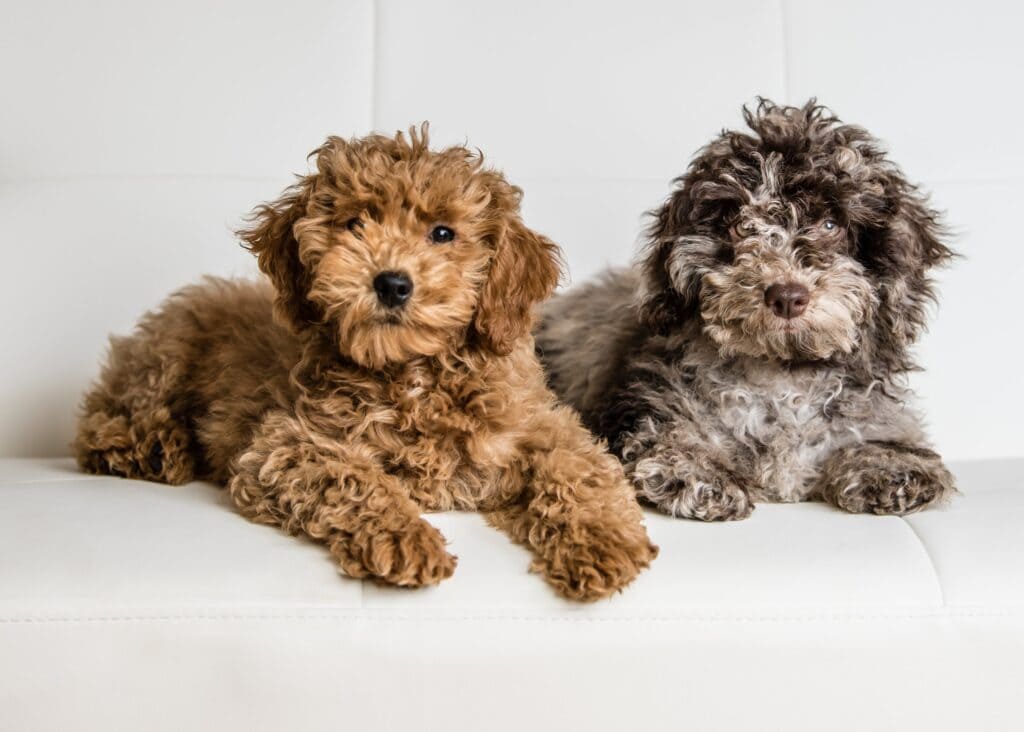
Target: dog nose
(787,300)
(392,288)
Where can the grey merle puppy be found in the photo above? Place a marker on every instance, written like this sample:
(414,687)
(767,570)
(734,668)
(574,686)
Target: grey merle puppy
(759,350)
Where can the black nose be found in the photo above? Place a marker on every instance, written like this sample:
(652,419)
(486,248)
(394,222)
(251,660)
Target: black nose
(392,288)
(788,300)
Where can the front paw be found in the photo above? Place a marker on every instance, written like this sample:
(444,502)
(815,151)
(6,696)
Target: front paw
(886,479)
(591,563)
(411,556)
(705,497)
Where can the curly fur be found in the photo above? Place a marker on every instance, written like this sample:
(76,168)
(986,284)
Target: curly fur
(711,399)
(329,415)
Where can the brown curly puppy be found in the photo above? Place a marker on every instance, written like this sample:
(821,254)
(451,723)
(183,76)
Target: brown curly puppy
(760,350)
(389,371)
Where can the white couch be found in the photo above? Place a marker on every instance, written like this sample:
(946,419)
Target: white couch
(127,605)
(134,135)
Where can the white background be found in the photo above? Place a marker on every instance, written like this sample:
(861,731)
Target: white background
(135,135)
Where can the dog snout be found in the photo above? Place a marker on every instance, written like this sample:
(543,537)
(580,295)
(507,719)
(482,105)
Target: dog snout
(787,300)
(393,288)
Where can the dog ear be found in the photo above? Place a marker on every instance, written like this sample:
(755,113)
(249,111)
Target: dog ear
(524,270)
(271,237)
(663,301)
(901,253)
(688,235)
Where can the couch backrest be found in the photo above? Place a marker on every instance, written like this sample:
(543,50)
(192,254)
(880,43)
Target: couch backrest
(135,136)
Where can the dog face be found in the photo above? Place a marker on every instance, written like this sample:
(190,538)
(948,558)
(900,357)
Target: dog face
(398,251)
(799,242)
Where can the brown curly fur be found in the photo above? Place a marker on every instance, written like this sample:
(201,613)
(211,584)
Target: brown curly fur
(329,415)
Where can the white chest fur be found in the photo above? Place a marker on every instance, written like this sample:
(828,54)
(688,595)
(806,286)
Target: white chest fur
(782,419)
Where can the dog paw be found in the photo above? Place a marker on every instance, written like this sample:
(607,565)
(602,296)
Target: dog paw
(414,556)
(164,455)
(886,491)
(597,564)
(708,499)
(884,480)
(114,446)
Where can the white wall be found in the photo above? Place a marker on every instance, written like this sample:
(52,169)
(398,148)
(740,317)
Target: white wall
(134,136)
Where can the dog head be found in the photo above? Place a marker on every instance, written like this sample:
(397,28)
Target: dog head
(399,251)
(797,241)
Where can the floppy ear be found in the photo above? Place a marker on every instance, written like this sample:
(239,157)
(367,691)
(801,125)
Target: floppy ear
(667,294)
(901,253)
(271,238)
(684,241)
(524,270)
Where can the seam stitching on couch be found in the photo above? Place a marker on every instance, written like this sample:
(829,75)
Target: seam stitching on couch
(945,615)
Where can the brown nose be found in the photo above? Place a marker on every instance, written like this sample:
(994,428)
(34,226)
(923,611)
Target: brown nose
(788,300)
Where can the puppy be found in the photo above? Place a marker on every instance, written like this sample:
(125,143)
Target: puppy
(386,369)
(758,352)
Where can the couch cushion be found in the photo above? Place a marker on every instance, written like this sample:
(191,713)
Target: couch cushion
(122,599)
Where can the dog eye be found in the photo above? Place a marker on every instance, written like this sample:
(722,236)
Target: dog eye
(442,235)
(354,224)
(829,225)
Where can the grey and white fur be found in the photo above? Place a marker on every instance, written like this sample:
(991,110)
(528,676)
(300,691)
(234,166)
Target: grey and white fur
(760,348)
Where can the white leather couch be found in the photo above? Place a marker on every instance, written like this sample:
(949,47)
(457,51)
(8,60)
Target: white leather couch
(134,135)
(135,606)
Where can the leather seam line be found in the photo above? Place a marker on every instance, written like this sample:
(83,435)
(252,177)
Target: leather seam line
(928,556)
(945,615)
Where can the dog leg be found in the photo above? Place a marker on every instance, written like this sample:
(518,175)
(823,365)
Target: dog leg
(674,467)
(150,446)
(577,512)
(127,427)
(335,493)
(885,478)
(670,451)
